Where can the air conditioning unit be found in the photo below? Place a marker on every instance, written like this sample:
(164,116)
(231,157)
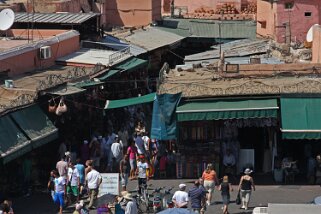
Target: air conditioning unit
(45,52)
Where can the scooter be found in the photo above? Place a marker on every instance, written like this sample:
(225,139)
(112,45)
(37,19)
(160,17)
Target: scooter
(167,199)
(157,200)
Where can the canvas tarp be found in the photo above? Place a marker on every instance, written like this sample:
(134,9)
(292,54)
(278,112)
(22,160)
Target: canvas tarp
(164,116)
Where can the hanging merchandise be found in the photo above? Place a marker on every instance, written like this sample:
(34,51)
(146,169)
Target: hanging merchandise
(61,108)
(52,106)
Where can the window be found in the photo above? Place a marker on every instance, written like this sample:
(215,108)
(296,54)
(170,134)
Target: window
(307,14)
(288,5)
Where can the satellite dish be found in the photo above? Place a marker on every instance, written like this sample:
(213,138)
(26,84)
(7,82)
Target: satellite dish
(310,33)
(7,19)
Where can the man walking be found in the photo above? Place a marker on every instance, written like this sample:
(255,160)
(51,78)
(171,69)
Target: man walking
(142,167)
(94,180)
(124,169)
(73,181)
(117,151)
(60,190)
(197,195)
(62,167)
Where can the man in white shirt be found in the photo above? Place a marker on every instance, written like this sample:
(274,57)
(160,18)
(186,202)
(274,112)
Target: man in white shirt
(60,190)
(94,180)
(142,167)
(180,197)
(73,182)
(117,151)
(146,141)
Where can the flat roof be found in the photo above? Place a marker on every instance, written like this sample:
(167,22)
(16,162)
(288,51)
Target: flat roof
(89,57)
(27,86)
(259,79)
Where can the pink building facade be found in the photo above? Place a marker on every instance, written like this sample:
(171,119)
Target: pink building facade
(21,56)
(287,20)
(132,13)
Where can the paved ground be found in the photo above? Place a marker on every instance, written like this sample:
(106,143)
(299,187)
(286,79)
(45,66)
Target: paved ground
(41,203)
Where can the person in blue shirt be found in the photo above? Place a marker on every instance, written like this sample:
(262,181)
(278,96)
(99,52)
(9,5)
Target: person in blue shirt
(197,195)
(81,170)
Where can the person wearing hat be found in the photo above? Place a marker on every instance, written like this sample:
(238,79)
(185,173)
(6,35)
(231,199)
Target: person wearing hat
(246,185)
(225,188)
(180,197)
(79,208)
(131,206)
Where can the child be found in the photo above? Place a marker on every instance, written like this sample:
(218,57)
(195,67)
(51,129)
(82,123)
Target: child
(225,188)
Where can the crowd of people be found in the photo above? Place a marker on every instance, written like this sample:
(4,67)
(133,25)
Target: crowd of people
(133,156)
(200,195)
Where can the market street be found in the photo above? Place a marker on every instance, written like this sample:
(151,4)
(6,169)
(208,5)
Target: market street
(264,194)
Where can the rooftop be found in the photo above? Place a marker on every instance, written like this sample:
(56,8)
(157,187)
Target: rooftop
(54,18)
(250,80)
(19,37)
(86,56)
(150,38)
(28,86)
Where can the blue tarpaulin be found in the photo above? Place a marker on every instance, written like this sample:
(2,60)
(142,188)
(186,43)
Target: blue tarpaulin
(164,116)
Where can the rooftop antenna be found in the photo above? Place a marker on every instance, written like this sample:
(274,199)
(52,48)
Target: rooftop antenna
(7,19)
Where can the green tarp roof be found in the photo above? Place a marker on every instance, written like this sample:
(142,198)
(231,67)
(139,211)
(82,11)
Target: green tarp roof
(110,104)
(88,83)
(13,142)
(35,123)
(108,74)
(301,118)
(131,64)
(226,109)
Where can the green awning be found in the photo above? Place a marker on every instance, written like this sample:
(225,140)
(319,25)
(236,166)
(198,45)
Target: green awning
(13,143)
(131,64)
(108,74)
(301,118)
(88,83)
(35,123)
(110,104)
(226,109)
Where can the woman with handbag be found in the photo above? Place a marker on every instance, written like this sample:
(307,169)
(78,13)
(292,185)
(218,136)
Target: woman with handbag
(246,185)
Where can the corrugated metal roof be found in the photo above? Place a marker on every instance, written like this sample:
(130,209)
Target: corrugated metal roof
(54,18)
(210,28)
(235,60)
(153,38)
(118,44)
(238,48)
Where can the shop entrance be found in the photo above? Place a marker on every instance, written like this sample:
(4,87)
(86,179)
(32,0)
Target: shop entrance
(253,138)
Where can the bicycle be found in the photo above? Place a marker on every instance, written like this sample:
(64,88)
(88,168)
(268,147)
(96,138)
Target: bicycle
(143,201)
